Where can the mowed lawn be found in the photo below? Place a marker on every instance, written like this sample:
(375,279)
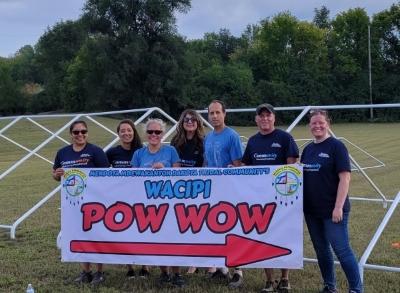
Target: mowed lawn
(34,258)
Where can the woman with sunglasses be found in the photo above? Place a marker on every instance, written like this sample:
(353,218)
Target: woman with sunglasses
(121,157)
(156,155)
(326,203)
(189,139)
(189,142)
(81,154)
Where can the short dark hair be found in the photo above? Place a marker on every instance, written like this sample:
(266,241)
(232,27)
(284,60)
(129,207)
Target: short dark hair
(77,122)
(218,102)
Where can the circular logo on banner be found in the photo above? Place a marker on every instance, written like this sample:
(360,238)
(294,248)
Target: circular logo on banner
(74,186)
(286,181)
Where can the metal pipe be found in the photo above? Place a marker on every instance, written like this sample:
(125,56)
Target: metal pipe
(46,129)
(13,167)
(378,233)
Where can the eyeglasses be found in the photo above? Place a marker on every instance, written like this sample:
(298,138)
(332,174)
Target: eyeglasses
(189,119)
(156,132)
(76,132)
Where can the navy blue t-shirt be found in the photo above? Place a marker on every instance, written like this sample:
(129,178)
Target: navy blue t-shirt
(322,164)
(90,156)
(190,154)
(120,157)
(270,149)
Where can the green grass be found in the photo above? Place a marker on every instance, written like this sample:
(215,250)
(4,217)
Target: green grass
(34,258)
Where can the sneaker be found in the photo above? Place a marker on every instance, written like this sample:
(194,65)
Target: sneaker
(98,278)
(164,278)
(144,273)
(269,287)
(210,272)
(328,290)
(178,280)
(219,275)
(130,274)
(192,270)
(236,281)
(84,277)
(283,286)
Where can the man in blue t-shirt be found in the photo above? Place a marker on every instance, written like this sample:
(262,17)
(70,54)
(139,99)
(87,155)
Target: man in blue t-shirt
(270,146)
(222,148)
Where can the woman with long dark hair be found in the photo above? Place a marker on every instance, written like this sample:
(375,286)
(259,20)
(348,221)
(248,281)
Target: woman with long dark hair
(189,142)
(121,157)
(189,139)
(156,155)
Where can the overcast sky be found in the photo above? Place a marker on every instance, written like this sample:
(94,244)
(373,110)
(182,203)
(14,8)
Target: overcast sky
(22,22)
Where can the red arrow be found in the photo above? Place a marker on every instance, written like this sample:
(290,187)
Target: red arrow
(237,250)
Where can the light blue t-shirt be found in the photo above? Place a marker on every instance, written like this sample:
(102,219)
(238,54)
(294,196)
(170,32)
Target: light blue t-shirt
(167,155)
(221,149)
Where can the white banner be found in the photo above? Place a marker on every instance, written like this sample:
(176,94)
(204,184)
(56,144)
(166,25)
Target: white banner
(247,216)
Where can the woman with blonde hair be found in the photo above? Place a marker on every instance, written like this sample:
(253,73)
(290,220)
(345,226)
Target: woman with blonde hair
(156,155)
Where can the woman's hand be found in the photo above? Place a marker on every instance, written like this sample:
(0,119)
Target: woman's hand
(57,173)
(337,215)
(158,165)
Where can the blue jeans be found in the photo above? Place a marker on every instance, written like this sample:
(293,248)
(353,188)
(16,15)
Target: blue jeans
(326,234)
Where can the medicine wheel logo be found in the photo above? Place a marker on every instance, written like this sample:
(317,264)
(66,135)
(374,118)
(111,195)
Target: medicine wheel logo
(287,183)
(74,186)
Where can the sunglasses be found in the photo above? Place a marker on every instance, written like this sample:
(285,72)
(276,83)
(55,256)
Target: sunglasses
(76,132)
(156,132)
(189,119)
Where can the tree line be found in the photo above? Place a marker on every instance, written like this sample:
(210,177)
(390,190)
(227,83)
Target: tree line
(127,54)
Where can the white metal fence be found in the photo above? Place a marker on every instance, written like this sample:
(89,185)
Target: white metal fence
(146,112)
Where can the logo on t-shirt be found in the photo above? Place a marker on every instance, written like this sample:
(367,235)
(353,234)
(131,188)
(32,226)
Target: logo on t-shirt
(323,155)
(311,167)
(275,145)
(85,155)
(264,157)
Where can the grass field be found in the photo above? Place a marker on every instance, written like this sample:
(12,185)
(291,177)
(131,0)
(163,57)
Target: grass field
(34,258)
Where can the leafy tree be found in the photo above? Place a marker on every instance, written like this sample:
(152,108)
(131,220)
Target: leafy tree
(289,59)
(348,50)
(125,19)
(12,101)
(133,57)
(321,17)
(385,44)
(55,49)
(221,45)
(23,65)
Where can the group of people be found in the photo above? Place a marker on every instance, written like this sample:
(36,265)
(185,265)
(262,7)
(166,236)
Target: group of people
(326,176)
